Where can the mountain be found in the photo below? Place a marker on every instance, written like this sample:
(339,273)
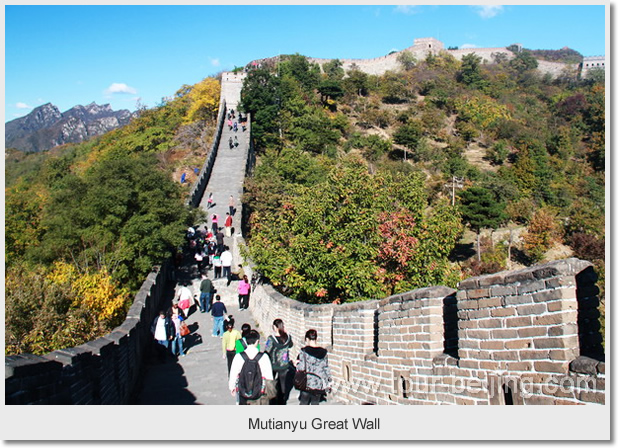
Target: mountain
(46,127)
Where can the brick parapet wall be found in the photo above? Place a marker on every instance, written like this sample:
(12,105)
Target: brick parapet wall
(512,336)
(103,371)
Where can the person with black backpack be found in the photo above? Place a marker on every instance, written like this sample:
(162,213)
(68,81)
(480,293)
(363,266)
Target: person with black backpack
(278,346)
(249,373)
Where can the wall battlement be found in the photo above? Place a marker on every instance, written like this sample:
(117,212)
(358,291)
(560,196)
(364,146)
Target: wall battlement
(521,337)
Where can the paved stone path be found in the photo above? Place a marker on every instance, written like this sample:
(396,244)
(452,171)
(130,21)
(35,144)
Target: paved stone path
(200,377)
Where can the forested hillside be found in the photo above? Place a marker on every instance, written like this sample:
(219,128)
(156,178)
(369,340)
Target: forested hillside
(86,223)
(351,198)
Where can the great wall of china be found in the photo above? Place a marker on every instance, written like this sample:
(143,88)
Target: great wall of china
(422,47)
(518,337)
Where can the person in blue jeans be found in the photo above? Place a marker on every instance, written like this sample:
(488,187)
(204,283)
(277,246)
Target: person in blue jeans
(218,313)
(206,290)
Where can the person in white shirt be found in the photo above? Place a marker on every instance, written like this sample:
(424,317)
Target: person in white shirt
(226,263)
(252,339)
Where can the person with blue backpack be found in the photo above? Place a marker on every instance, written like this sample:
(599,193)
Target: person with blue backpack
(278,347)
(250,372)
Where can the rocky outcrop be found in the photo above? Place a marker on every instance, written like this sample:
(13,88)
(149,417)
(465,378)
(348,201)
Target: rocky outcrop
(46,127)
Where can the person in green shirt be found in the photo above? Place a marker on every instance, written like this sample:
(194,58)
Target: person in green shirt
(241,344)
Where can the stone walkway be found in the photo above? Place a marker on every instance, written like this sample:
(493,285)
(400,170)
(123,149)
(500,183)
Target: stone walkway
(200,377)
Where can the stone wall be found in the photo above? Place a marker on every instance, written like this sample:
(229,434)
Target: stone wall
(517,337)
(197,191)
(103,371)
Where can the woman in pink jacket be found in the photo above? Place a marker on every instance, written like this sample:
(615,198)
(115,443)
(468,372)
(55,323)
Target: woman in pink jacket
(244,288)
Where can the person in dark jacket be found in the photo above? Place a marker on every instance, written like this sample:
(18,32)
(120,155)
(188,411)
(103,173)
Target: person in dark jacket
(278,348)
(314,360)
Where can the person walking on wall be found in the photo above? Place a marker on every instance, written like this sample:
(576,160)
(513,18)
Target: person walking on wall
(177,342)
(228,342)
(218,312)
(210,201)
(226,263)
(228,225)
(244,289)
(216,263)
(162,329)
(206,290)
(215,223)
(278,348)
(232,205)
(236,385)
(314,360)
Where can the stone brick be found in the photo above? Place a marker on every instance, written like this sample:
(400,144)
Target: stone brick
(536,309)
(559,282)
(490,303)
(592,397)
(517,344)
(468,364)
(550,319)
(478,314)
(492,345)
(561,305)
(531,287)
(504,333)
(518,366)
(489,365)
(562,355)
(534,354)
(554,294)
(567,342)
(478,293)
(503,312)
(490,323)
(524,321)
(517,300)
(529,332)
(478,334)
(468,304)
(500,290)
(563,330)
(505,356)
(548,366)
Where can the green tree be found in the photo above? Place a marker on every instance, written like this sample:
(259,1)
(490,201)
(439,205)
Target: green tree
(409,135)
(481,210)
(470,73)
(407,60)
(334,70)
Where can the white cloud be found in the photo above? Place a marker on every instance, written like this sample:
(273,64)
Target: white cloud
(488,11)
(120,88)
(21,105)
(464,46)
(406,9)
(215,62)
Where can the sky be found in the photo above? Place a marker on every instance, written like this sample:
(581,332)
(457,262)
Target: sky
(122,55)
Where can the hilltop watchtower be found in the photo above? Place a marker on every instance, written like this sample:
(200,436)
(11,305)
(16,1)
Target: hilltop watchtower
(428,45)
(591,62)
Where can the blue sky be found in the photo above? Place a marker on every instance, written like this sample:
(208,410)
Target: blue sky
(70,55)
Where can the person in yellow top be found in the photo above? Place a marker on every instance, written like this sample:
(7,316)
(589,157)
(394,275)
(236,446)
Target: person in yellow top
(228,342)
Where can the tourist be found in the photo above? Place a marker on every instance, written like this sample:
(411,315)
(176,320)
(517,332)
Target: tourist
(206,291)
(232,205)
(162,329)
(216,263)
(226,263)
(215,223)
(218,312)
(177,341)
(210,201)
(228,225)
(314,360)
(278,348)
(219,237)
(228,342)
(241,344)
(184,298)
(251,352)
(244,288)
(235,141)
(231,143)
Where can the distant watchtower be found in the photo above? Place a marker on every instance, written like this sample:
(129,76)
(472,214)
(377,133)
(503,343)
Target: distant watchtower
(428,45)
(591,62)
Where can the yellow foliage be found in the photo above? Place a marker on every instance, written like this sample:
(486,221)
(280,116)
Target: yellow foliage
(96,292)
(204,97)
(481,110)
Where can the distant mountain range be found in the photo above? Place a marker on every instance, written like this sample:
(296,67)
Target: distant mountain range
(46,127)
